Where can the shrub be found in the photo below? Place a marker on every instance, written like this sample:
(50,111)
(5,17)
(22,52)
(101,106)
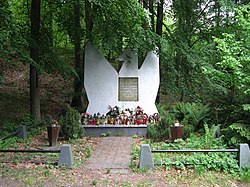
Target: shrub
(237,133)
(158,131)
(71,127)
(161,130)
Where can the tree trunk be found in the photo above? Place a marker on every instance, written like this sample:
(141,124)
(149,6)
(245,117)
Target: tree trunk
(34,94)
(159,24)
(88,27)
(145,6)
(88,20)
(151,10)
(159,18)
(217,14)
(78,85)
(34,54)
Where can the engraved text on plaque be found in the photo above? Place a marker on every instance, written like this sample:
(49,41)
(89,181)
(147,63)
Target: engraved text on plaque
(128,89)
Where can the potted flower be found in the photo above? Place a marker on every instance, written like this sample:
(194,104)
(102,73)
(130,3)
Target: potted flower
(53,130)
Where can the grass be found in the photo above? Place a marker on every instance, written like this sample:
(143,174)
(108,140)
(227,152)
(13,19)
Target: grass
(126,184)
(94,182)
(194,178)
(20,167)
(145,183)
(31,174)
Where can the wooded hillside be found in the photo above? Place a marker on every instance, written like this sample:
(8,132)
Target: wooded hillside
(203,48)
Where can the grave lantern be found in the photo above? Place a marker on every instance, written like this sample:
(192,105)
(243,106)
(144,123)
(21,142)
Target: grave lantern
(53,131)
(176,130)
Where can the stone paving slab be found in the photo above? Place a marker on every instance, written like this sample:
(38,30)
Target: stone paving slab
(111,153)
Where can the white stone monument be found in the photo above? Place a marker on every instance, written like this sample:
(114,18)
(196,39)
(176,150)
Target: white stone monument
(128,88)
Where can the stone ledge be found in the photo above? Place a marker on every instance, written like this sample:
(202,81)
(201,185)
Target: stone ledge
(115,130)
(115,126)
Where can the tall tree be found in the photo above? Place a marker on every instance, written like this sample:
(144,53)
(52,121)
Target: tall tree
(159,22)
(34,54)
(230,74)
(88,20)
(88,37)
(152,16)
(78,82)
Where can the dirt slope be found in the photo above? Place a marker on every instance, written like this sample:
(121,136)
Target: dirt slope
(55,92)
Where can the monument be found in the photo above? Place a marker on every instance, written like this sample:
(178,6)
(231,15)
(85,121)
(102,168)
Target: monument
(128,88)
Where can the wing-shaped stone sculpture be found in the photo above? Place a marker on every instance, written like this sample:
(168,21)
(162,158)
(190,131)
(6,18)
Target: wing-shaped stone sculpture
(105,86)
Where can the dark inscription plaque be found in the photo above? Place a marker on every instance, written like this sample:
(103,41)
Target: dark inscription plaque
(128,89)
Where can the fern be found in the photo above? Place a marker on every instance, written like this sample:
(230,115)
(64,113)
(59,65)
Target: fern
(7,143)
(238,133)
(241,129)
(192,116)
(191,112)
(210,134)
(246,107)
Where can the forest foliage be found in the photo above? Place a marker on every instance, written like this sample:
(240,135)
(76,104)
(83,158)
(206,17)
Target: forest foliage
(203,47)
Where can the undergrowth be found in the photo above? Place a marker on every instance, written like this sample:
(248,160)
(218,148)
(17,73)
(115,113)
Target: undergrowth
(191,115)
(198,162)
(226,162)
(33,128)
(71,125)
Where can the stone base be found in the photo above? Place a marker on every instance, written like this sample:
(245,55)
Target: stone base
(115,130)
